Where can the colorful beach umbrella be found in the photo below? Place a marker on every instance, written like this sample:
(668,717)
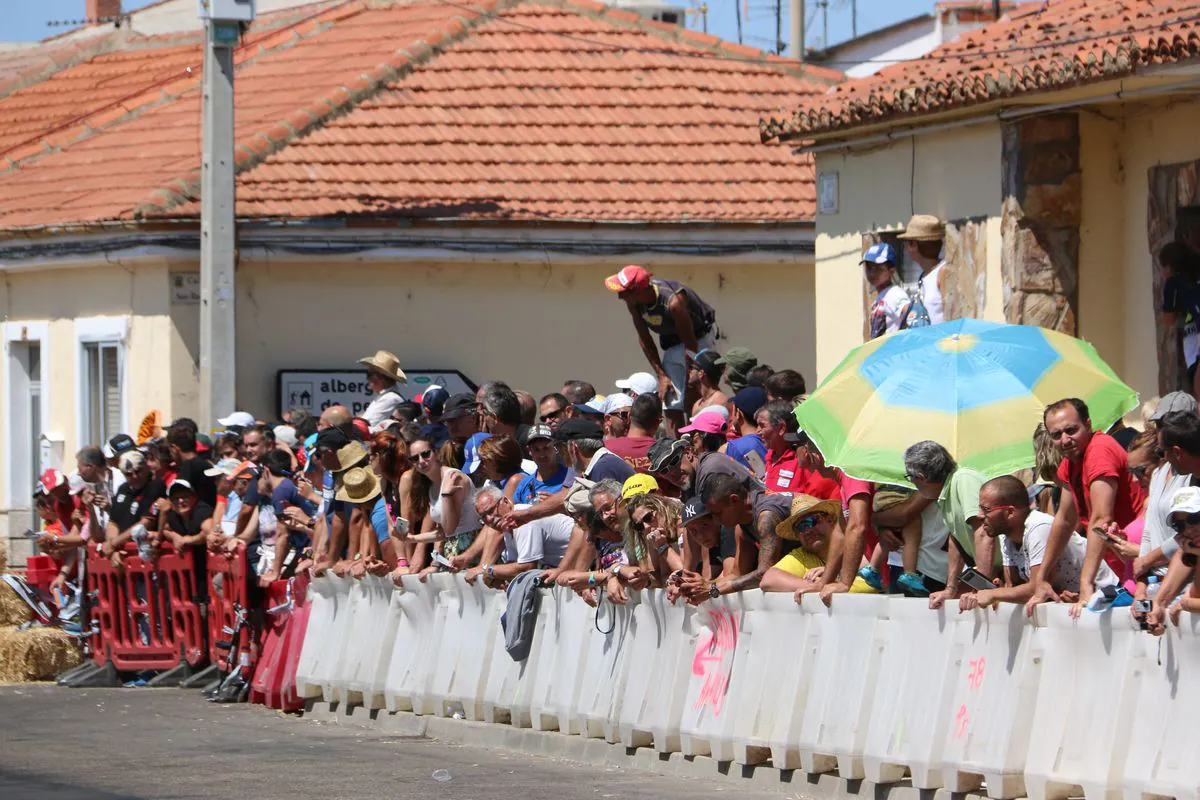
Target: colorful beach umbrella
(977,388)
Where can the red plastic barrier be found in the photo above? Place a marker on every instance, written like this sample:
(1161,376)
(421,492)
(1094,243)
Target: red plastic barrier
(228,584)
(40,572)
(150,613)
(274,684)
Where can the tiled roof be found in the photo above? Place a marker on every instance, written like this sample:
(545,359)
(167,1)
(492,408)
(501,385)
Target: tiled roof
(552,110)
(1054,45)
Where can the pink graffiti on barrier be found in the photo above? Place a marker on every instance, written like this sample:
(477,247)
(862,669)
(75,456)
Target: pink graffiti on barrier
(975,676)
(713,659)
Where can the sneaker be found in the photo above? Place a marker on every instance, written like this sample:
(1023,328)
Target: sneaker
(912,585)
(872,577)
(142,679)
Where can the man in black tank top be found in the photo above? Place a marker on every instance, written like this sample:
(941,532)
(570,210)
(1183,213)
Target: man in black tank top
(684,323)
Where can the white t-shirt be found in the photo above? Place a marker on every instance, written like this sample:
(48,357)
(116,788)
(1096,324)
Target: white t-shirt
(1032,551)
(543,541)
(887,311)
(931,295)
(382,406)
(1164,482)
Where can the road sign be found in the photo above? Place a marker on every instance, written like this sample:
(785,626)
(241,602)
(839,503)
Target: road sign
(317,390)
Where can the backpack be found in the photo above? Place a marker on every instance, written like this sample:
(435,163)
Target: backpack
(915,315)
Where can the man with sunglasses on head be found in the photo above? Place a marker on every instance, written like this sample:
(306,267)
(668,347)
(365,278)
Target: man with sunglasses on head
(1023,534)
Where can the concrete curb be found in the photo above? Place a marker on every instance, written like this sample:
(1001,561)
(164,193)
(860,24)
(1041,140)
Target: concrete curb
(598,751)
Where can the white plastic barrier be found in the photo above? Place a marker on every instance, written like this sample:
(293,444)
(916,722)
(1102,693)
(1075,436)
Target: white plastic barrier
(991,712)
(547,652)
(715,683)
(652,703)
(414,648)
(463,646)
(573,628)
(322,601)
(788,688)
(509,687)
(843,688)
(371,640)
(606,670)
(331,675)
(1084,712)
(911,712)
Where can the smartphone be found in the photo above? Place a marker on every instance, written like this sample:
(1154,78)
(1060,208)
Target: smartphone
(973,578)
(441,560)
(400,526)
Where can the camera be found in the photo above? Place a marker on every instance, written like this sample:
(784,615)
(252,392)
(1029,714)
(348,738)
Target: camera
(1141,609)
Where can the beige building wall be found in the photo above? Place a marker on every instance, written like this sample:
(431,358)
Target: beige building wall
(531,325)
(954,174)
(66,303)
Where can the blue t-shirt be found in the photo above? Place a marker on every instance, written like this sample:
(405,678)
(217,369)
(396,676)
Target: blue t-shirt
(332,505)
(286,494)
(379,520)
(739,447)
(529,488)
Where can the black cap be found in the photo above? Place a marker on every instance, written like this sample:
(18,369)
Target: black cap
(459,405)
(706,362)
(538,431)
(121,443)
(664,453)
(332,439)
(796,437)
(694,509)
(576,428)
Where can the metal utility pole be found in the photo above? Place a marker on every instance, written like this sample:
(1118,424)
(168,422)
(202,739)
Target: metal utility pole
(853,19)
(796,28)
(778,27)
(218,340)
(737,10)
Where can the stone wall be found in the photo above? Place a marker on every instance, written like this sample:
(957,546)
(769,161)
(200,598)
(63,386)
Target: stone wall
(1040,226)
(1170,216)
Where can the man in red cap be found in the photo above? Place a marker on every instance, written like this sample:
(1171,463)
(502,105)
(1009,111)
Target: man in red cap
(685,325)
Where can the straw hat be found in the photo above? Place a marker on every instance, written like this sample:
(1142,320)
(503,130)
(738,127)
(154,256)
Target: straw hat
(350,455)
(804,505)
(924,228)
(358,485)
(386,364)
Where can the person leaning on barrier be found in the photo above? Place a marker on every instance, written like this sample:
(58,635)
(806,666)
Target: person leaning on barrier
(133,504)
(1023,532)
(936,475)
(653,533)
(757,515)
(538,544)
(815,525)
(1179,437)
(1185,520)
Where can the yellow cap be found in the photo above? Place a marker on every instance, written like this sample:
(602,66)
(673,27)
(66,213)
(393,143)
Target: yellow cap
(638,484)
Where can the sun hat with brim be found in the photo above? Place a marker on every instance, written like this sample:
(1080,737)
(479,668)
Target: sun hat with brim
(351,455)
(358,485)
(805,505)
(924,228)
(578,499)
(386,364)
(665,453)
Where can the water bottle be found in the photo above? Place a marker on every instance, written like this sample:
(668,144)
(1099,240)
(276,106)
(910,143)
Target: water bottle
(1152,587)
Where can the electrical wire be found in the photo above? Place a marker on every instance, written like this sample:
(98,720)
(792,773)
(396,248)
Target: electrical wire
(963,56)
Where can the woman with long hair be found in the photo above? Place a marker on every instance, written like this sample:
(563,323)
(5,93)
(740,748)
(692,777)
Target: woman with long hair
(500,459)
(653,534)
(388,458)
(445,498)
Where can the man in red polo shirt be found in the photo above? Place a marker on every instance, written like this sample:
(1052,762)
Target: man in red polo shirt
(1099,491)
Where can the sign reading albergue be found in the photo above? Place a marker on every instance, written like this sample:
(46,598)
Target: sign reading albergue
(317,390)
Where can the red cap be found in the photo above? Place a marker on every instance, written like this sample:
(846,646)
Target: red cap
(51,479)
(363,428)
(630,277)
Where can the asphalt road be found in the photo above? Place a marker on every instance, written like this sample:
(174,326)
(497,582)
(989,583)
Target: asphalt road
(105,744)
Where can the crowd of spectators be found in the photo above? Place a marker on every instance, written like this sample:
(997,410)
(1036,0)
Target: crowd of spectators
(693,477)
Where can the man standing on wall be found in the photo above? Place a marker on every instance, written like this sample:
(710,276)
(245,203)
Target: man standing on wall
(684,324)
(925,234)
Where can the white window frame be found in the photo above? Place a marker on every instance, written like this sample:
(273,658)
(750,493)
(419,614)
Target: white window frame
(30,331)
(98,330)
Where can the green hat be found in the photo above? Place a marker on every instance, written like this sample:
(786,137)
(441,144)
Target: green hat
(738,361)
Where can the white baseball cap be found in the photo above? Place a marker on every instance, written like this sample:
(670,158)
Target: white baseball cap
(285,434)
(75,483)
(640,383)
(1186,501)
(238,419)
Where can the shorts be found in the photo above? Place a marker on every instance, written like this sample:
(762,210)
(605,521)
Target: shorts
(674,361)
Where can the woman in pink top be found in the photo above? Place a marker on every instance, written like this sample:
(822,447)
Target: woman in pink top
(1143,460)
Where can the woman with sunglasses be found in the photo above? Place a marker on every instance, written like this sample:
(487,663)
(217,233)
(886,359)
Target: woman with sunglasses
(388,458)
(653,535)
(813,523)
(445,498)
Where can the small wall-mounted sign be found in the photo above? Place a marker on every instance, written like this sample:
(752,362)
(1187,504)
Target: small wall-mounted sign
(827,193)
(185,288)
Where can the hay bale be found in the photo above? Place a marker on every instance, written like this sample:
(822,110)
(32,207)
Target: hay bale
(13,610)
(36,654)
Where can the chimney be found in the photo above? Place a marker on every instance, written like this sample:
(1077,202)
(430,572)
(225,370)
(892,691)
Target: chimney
(101,9)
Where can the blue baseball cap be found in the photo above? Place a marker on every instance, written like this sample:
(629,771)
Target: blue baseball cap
(880,253)
(434,400)
(471,458)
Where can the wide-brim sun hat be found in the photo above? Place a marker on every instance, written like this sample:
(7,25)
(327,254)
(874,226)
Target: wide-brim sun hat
(805,505)
(386,364)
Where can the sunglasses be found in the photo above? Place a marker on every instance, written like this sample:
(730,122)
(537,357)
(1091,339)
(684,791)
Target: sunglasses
(553,415)
(639,523)
(806,524)
(1139,470)
(421,456)
(1179,524)
(989,509)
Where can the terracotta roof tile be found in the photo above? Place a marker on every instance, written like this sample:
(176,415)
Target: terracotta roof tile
(1053,45)
(528,113)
